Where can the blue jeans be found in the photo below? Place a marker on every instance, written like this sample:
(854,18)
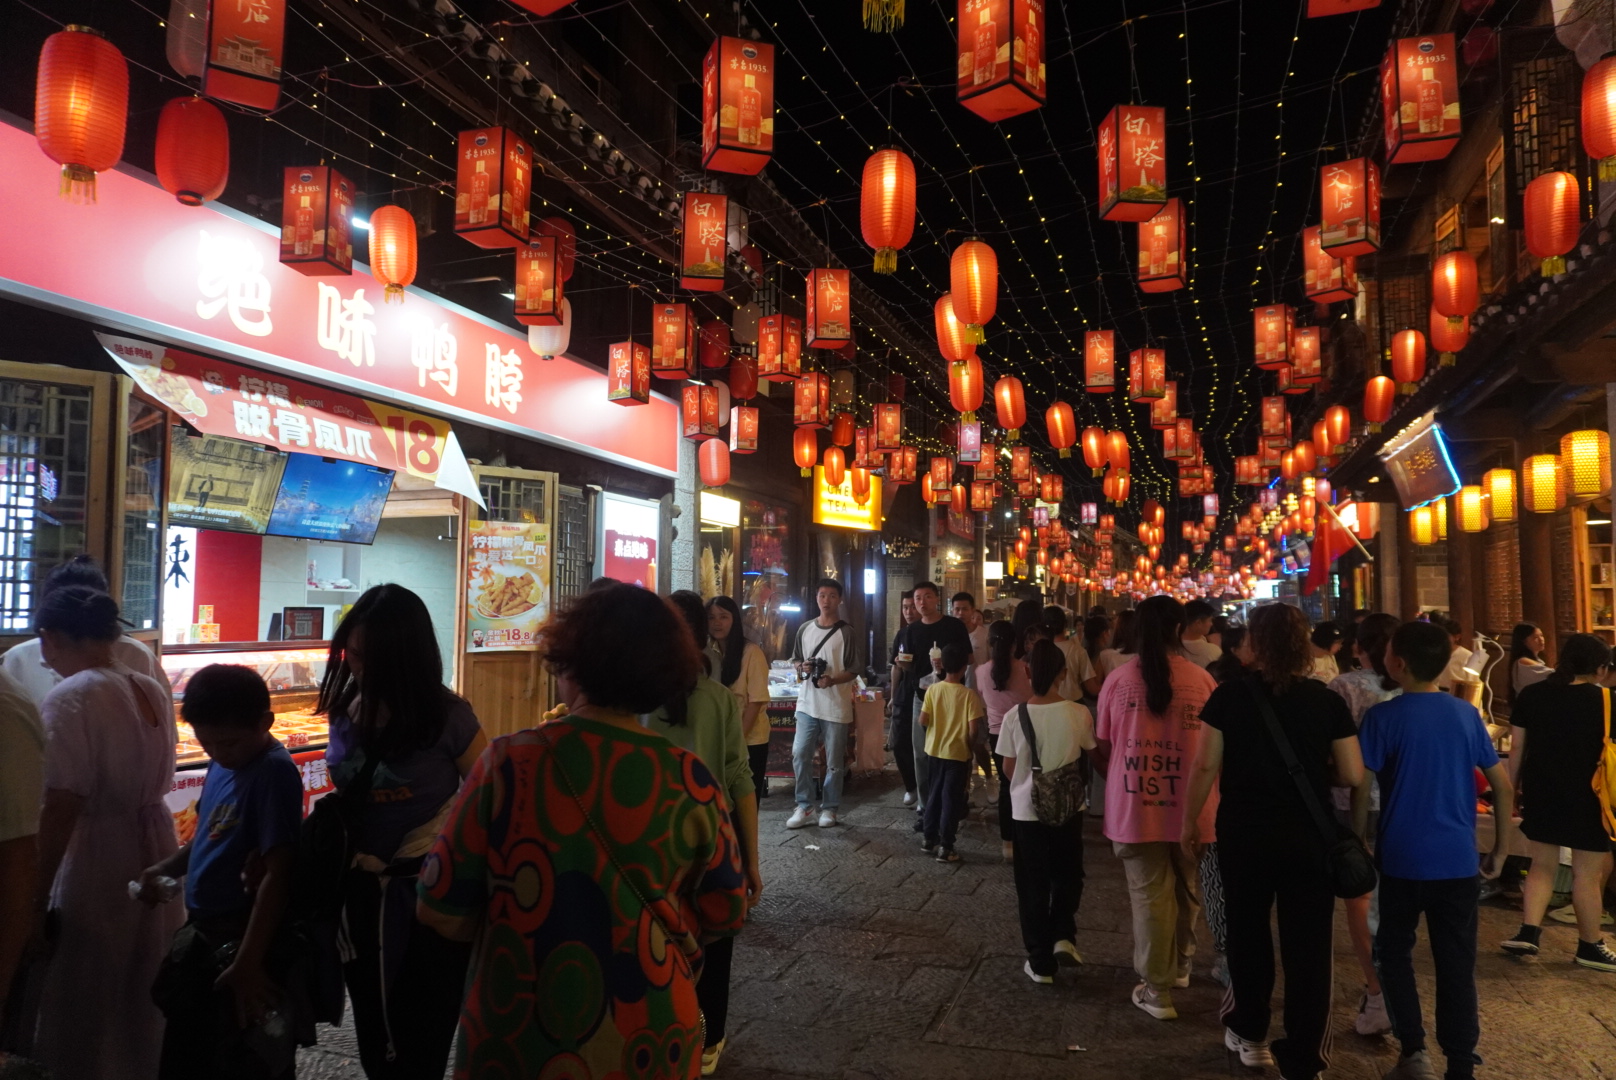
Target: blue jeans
(811,731)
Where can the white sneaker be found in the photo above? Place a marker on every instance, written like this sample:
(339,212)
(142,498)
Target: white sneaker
(710,1056)
(1045,980)
(801,819)
(1066,953)
(827,818)
(1372,1018)
(1568,915)
(908,798)
(1157,1003)
(1252,1054)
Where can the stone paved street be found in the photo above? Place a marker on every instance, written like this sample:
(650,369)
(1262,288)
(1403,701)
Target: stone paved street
(869,961)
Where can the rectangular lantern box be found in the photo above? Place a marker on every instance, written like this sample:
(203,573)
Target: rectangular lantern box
(538,283)
(1349,197)
(1318,9)
(830,317)
(1285,381)
(1272,329)
(1162,243)
(743,429)
(673,341)
(629,375)
(1419,98)
(245,46)
(1027,489)
(737,106)
(1133,163)
(1272,457)
(1089,513)
(703,242)
(1164,410)
(1328,278)
(1307,360)
(1099,361)
(905,465)
(493,185)
(1147,375)
(700,412)
(1020,463)
(1274,415)
(969,442)
(811,400)
(888,426)
(1001,57)
(981,495)
(942,475)
(987,468)
(316,220)
(780,348)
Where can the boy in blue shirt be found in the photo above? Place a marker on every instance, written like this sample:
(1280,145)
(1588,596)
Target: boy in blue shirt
(1425,747)
(237,871)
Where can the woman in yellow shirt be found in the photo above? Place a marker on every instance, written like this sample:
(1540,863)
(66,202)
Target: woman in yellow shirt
(740,665)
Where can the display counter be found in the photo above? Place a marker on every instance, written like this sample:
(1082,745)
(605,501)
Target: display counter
(292,670)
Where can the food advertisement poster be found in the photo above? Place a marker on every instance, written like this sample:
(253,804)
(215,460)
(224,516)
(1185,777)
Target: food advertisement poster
(186,790)
(507,585)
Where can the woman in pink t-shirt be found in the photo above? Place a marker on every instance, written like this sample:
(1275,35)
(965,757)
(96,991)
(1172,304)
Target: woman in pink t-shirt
(1149,729)
(1003,684)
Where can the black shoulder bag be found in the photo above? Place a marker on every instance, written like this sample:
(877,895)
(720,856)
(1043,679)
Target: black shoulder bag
(1347,861)
(1059,795)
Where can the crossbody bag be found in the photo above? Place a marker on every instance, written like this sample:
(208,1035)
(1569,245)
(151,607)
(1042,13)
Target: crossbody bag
(1059,795)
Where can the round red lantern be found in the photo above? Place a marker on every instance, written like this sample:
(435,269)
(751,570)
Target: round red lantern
(1553,206)
(887,206)
(861,484)
(841,429)
(193,150)
(1094,449)
(743,377)
(952,340)
(1599,115)
(1288,467)
(1454,288)
(566,242)
(1124,484)
(1321,439)
(927,491)
(1061,426)
(1306,457)
(714,344)
(804,449)
(392,250)
(1338,420)
(1378,396)
(1448,336)
(1153,512)
(81,106)
(965,387)
(957,499)
(713,457)
(1408,359)
(835,463)
(1116,450)
(973,276)
(1011,402)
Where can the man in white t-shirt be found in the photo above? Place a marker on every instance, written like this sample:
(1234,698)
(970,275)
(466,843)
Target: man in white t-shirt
(824,705)
(22,776)
(1198,615)
(963,607)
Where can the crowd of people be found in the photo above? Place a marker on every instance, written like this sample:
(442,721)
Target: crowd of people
(567,898)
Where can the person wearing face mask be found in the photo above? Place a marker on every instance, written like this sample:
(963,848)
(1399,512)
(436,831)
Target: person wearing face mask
(920,649)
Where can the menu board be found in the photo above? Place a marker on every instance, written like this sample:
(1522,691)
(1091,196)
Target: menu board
(507,585)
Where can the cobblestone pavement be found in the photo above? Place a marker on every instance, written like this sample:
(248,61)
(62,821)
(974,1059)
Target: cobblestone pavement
(867,960)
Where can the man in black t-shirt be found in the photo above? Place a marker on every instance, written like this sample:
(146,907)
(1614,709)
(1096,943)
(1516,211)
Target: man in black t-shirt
(932,630)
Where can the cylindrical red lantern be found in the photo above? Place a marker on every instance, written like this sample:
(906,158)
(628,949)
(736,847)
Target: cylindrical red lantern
(1599,115)
(1553,206)
(887,206)
(1288,467)
(392,250)
(1454,288)
(1061,425)
(713,344)
(1306,457)
(861,485)
(193,150)
(1010,400)
(81,106)
(958,499)
(713,456)
(1321,439)
(1408,359)
(973,276)
(1379,394)
(1448,337)
(1094,449)
(928,491)
(952,340)
(841,429)
(1116,450)
(743,377)
(805,449)
(835,463)
(965,387)
(1338,421)
(1153,513)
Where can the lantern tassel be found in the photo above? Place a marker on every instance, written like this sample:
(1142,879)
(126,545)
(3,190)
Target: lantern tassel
(807,472)
(1607,168)
(1098,472)
(883,16)
(1066,452)
(78,184)
(1012,434)
(393,292)
(969,417)
(1554,266)
(1372,427)
(1407,388)
(886,259)
(1446,359)
(1456,323)
(977,336)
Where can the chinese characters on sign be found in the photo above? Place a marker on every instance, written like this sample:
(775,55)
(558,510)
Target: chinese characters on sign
(492,187)
(1350,208)
(830,322)
(1001,57)
(1133,163)
(1419,98)
(316,231)
(703,248)
(507,586)
(245,44)
(737,109)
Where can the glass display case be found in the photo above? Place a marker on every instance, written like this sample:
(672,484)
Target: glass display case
(293,670)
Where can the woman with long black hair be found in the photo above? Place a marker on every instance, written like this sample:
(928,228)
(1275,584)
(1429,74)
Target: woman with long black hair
(1526,666)
(740,665)
(1149,729)
(1003,684)
(401,742)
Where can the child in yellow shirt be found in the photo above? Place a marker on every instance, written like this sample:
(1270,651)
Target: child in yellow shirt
(955,721)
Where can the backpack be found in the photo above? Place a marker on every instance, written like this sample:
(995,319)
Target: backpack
(1058,795)
(1605,773)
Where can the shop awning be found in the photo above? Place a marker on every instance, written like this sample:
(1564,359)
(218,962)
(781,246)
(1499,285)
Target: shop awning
(231,400)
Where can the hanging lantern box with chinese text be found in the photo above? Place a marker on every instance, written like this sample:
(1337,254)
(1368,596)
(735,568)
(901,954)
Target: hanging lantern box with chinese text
(942,473)
(861,450)
(1349,194)
(1272,329)
(905,464)
(1147,376)
(811,400)
(538,286)
(1307,357)
(1020,463)
(981,495)
(1099,361)
(737,106)
(699,411)
(969,442)
(1248,470)
(241,51)
(743,429)
(1001,57)
(1133,163)
(316,227)
(780,348)
(888,426)
(1274,415)
(1328,278)
(629,378)
(673,341)
(1164,410)
(1419,98)
(493,185)
(1162,244)
(829,321)
(1285,381)
(987,467)
(1318,9)
(703,245)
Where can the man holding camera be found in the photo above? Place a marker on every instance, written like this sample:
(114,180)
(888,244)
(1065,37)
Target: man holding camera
(824,655)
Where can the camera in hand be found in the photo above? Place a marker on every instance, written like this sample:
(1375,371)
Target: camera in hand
(813,670)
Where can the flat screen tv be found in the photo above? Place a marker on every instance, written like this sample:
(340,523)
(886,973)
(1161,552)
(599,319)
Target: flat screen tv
(327,499)
(220,483)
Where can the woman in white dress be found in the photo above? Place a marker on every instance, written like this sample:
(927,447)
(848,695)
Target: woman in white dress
(109,760)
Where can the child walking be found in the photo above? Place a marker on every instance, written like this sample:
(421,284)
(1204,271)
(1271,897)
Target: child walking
(955,720)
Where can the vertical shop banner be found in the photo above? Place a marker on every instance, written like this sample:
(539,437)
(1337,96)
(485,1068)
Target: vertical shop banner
(703,246)
(737,106)
(507,585)
(1419,98)
(211,279)
(1133,163)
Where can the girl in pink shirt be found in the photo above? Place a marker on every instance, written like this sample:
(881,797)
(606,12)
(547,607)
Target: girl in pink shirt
(1003,684)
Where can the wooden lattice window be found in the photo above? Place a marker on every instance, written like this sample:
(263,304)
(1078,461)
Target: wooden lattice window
(1449,231)
(1400,298)
(1542,102)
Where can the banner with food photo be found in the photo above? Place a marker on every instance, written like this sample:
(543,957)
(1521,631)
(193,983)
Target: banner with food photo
(507,585)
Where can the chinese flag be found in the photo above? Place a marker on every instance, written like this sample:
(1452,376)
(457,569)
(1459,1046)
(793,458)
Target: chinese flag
(1330,541)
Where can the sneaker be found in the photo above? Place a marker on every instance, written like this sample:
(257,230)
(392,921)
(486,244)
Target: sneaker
(1416,1066)
(920,825)
(1525,941)
(1044,980)
(1252,1054)
(1220,971)
(929,846)
(908,798)
(948,854)
(1568,915)
(1066,953)
(1594,954)
(1372,1018)
(1008,850)
(827,819)
(710,1056)
(801,819)
(1183,980)
(1157,1003)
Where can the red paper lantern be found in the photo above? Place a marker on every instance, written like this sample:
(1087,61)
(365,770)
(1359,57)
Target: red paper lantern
(1001,57)
(714,344)
(1306,457)
(1599,115)
(1553,217)
(887,206)
(1448,336)
(973,276)
(538,289)
(743,429)
(737,106)
(1419,98)
(829,320)
(952,340)
(1288,467)
(566,242)
(193,150)
(1321,440)
(1350,196)
(1162,244)
(1061,426)
(1454,289)
(1338,420)
(1094,449)
(703,241)
(780,348)
(1153,513)
(965,387)
(805,449)
(1317,9)
(628,373)
(860,482)
(1379,395)
(392,250)
(1116,449)
(1408,359)
(1010,401)
(1272,328)
(673,330)
(1147,375)
(1099,361)
(1328,278)
(81,106)
(928,490)
(743,377)
(493,187)
(835,463)
(1133,162)
(841,429)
